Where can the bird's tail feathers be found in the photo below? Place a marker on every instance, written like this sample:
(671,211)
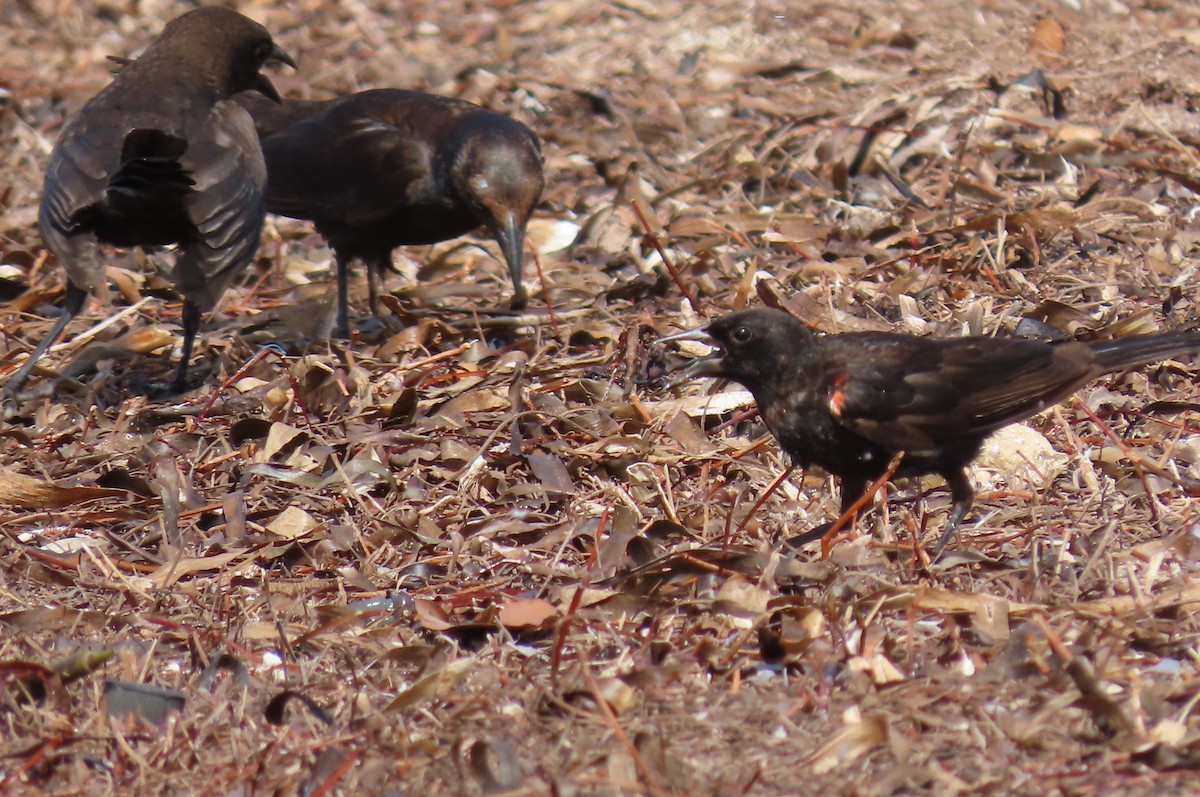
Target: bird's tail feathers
(150,171)
(1113,355)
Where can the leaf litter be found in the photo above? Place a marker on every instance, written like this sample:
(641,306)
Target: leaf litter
(476,552)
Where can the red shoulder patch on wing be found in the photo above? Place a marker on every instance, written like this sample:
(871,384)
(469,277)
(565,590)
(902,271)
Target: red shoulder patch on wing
(837,396)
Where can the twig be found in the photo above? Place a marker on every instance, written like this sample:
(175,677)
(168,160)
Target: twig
(606,711)
(270,348)
(772,487)
(666,260)
(537,264)
(827,539)
(570,617)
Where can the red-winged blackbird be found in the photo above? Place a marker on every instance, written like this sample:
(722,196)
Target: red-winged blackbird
(162,156)
(849,403)
(386,168)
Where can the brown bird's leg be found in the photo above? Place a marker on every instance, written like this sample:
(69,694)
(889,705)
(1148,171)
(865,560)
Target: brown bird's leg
(76,296)
(191,325)
(963,495)
(343,281)
(853,494)
(376,268)
(852,490)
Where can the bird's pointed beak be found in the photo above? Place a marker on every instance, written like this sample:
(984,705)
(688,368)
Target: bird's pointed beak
(264,86)
(699,333)
(279,54)
(510,234)
(708,365)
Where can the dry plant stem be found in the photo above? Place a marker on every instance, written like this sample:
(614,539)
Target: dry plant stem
(1135,459)
(348,760)
(33,760)
(1104,710)
(606,711)
(1139,463)
(243,301)
(92,332)
(260,354)
(569,619)
(73,562)
(744,415)
(753,446)
(828,539)
(662,252)
(435,358)
(537,264)
(772,487)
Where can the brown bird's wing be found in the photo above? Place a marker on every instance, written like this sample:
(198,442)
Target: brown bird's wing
(344,167)
(917,394)
(76,179)
(227,207)
(271,117)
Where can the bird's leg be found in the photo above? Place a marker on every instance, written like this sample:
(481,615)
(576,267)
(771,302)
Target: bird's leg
(852,491)
(854,495)
(376,267)
(191,325)
(963,495)
(343,280)
(76,296)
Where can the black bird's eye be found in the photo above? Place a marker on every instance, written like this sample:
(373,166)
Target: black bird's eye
(741,334)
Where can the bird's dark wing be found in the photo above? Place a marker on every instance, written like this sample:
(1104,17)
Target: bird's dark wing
(77,176)
(918,394)
(345,167)
(87,154)
(227,207)
(271,117)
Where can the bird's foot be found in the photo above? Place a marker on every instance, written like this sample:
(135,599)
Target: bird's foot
(153,389)
(812,535)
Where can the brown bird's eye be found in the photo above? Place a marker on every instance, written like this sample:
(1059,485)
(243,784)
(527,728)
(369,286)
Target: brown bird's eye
(741,334)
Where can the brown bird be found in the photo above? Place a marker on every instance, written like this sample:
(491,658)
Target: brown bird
(387,168)
(163,156)
(849,403)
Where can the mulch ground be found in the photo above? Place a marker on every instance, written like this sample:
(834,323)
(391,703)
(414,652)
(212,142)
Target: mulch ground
(477,552)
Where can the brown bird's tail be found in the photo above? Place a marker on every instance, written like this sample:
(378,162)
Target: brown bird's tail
(150,175)
(1113,355)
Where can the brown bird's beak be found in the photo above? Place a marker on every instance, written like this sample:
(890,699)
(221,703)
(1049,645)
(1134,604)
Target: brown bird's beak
(279,54)
(511,236)
(263,84)
(709,365)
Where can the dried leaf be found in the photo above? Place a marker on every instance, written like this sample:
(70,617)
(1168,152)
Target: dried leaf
(551,472)
(527,613)
(292,523)
(430,686)
(856,739)
(1047,39)
(28,492)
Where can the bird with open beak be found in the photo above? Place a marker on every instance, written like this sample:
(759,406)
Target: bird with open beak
(161,156)
(851,403)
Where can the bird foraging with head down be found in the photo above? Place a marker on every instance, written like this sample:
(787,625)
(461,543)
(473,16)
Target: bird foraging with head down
(389,167)
(163,156)
(851,403)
